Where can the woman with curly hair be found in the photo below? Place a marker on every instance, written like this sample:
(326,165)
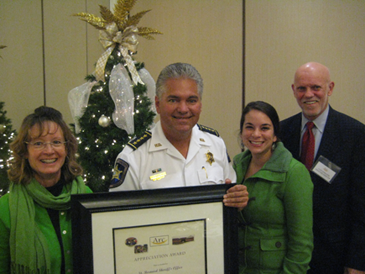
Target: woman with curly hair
(35,218)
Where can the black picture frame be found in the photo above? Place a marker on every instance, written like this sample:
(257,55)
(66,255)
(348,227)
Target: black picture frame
(86,207)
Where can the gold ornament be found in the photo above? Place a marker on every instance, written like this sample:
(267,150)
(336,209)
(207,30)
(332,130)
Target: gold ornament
(118,29)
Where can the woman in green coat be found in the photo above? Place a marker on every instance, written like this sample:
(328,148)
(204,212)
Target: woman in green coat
(275,229)
(35,217)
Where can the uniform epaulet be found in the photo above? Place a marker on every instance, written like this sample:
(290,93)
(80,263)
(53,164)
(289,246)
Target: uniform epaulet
(138,141)
(208,129)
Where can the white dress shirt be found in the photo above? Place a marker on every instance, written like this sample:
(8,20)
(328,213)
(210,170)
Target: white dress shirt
(155,163)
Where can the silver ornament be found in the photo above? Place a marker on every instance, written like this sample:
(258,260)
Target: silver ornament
(104,121)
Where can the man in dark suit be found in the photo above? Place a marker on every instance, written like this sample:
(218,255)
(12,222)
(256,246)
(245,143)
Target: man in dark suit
(338,173)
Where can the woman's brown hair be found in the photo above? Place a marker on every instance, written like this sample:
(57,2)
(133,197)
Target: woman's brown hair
(20,171)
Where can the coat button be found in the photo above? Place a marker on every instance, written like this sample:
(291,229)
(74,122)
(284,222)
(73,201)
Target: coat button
(278,244)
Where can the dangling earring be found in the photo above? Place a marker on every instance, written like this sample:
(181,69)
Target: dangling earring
(243,148)
(273,146)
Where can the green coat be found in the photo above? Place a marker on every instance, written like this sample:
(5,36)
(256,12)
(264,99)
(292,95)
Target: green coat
(45,224)
(275,232)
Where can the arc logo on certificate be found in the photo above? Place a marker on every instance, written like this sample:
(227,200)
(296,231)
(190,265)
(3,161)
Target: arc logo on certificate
(177,247)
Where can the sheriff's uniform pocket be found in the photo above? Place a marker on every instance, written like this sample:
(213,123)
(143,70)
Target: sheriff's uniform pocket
(211,175)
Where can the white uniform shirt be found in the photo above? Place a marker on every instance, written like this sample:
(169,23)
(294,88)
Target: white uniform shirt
(156,163)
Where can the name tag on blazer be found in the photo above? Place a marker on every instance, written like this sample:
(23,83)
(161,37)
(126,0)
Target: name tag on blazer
(325,169)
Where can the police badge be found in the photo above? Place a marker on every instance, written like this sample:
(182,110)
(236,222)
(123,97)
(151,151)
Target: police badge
(120,171)
(210,157)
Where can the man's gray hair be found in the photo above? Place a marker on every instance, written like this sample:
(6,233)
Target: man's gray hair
(176,71)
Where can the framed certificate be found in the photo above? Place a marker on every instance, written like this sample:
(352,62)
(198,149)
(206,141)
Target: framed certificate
(171,230)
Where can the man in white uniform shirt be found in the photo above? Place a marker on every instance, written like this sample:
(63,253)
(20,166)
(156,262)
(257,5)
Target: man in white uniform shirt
(177,151)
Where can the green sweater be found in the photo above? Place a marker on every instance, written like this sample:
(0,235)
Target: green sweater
(44,222)
(275,233)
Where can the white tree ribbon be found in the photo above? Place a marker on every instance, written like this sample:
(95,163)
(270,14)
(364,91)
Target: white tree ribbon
(121,91)
(78,99)
(127,41)
(151,86)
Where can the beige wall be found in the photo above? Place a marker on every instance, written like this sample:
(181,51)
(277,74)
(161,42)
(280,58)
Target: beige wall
(205,33)
(21,76)
(281,35)
(208,35)
(31,77)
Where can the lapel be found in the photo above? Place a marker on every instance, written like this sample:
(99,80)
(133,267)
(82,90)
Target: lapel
(198,140)
(159,142)
(332,138)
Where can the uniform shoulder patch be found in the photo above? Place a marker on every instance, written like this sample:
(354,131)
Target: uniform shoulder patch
(120,171)
(209,130)
(138,141)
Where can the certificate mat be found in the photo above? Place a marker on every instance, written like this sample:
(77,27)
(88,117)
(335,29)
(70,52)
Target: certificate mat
(176,230)
(178,247)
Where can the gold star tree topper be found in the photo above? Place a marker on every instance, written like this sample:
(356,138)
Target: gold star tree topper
(121,17)
(118,28)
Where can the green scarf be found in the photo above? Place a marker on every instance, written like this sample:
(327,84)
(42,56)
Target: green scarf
(28,246)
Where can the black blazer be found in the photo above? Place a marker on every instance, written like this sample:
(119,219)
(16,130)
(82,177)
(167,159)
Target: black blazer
(339,207)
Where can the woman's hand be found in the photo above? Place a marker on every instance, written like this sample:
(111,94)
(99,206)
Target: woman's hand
(236,196)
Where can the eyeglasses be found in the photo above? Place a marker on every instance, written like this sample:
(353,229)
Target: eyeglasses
(43,145)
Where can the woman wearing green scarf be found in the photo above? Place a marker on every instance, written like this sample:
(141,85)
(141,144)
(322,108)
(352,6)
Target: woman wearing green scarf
(35,218)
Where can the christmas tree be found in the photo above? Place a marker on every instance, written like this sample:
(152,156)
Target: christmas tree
(7,134)
(116,104)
